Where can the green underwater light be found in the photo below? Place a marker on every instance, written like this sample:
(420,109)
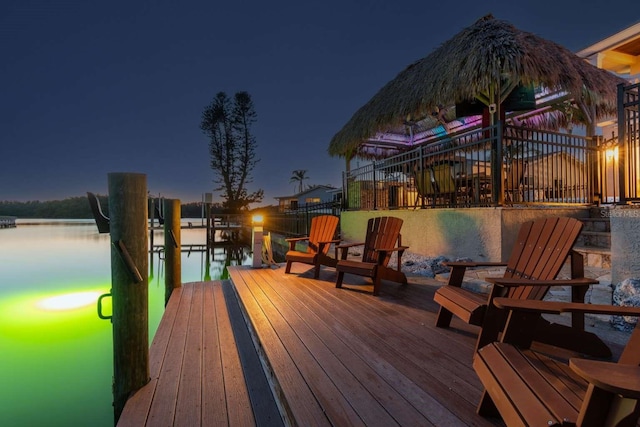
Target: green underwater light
(46,316)
(68,301)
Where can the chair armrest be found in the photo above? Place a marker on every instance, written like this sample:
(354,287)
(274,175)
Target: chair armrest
(512,282)
(474,264)
(398,248)
(349,245)
(612,377)
(344,249)
(324,242)
(557,307)
(296,239)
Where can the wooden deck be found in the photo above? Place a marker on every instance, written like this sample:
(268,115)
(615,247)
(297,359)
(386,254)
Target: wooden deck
(333,356)
(344,357)
(203,367)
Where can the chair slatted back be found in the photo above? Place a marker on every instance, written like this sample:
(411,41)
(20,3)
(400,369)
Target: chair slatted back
(382,233)
(424,182)
(515,174)
(541,248)
(443,175)
(323,229)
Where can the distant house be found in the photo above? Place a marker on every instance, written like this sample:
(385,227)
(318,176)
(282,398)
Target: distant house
(312,195)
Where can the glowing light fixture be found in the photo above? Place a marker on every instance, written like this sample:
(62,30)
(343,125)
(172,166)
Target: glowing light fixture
(256,240)
(68,301)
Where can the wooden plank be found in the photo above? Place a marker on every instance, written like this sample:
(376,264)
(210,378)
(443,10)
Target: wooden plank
(214,407)
(137,408)
(160,341)
(369,394)
(237,397)
(552,398)
(388,333)
(508,391)
(189,399)
(328,396)
(372,327)
(301,406)
(163,407)
(265,408)
(352,349)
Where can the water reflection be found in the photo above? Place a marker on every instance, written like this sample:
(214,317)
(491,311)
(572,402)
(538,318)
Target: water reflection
(54,350)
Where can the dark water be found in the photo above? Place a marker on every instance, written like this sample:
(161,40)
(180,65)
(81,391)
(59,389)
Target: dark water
(55,353)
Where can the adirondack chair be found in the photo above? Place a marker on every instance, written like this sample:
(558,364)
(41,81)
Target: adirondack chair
(425,186)
(541,249)
(513,182)
(321,236)
(527,388)
(382,239)
(446,184)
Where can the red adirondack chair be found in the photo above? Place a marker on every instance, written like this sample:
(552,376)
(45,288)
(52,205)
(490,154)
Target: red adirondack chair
(321,236)
(382,239)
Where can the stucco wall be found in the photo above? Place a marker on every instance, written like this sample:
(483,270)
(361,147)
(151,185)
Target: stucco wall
(482,234)
(625,243)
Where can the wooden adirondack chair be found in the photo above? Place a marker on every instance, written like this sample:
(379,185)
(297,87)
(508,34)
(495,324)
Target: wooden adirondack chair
(513,182)
(446,184)
(540,251)
(528,388)
(382,239)
(321,236)
(425,187)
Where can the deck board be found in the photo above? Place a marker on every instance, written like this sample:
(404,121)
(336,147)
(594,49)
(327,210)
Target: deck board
(333,356)
(388,362)
(196,373)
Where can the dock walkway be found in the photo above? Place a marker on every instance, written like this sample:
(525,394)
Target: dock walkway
(272,349)
(343,357)
(204,369)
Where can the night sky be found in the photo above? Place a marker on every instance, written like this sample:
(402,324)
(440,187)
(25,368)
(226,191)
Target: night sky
(90,87)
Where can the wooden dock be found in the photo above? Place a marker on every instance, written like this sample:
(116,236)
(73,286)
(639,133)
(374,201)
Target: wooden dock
(204,369)
(7,221)
(331,356)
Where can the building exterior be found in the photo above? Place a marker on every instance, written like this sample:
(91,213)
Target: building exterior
(315,194)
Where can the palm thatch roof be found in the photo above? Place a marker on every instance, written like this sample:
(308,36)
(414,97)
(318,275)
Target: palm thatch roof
(463,69)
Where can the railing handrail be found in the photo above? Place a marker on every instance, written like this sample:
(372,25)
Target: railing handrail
(489,152)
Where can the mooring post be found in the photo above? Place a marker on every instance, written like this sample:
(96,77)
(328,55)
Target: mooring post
(172,247)
(129,285)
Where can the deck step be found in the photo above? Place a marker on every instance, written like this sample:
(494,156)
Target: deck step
(595,256)
(596,224)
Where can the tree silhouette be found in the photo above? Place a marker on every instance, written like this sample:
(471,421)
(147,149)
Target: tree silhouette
(228,123)
(299,175)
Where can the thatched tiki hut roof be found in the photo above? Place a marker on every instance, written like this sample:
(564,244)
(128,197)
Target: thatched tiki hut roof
(482,62)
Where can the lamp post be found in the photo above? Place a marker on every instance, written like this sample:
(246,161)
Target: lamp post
(256,240)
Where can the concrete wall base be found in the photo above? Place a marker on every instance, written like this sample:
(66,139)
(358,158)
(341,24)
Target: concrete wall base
(482,234)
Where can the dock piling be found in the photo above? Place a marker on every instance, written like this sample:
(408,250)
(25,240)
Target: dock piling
(172,247)
(128,228)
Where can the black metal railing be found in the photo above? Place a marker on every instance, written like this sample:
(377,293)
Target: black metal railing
(297,222)
(493,166)
(628,146)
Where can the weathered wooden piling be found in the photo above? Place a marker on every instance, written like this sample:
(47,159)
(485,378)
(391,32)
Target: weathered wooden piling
(129,284)
(172,247)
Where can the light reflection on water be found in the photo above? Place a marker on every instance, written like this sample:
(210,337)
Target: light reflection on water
(58,361)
